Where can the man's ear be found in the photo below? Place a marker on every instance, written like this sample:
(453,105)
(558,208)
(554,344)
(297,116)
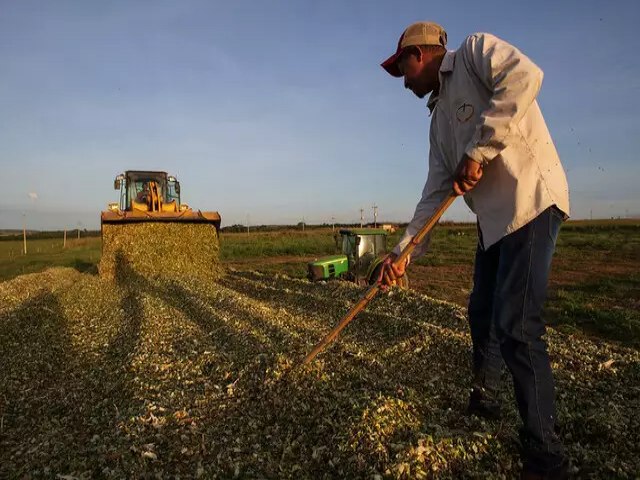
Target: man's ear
(417,51)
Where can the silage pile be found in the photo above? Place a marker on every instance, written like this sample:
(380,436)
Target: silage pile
(155,379)
(160,249)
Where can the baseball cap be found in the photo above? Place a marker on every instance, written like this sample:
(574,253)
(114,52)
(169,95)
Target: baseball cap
(419,33)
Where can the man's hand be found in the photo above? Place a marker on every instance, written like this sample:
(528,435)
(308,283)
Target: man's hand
(469,174)
(390,272)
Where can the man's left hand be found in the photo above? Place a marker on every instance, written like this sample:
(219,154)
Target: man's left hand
(469,174)
(390,273)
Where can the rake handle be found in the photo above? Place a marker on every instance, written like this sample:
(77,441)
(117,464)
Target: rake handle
(374,289)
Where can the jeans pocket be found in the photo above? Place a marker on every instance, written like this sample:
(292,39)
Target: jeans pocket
(556,217)
(555,211)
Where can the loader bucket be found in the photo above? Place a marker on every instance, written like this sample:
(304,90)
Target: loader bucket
(169,245)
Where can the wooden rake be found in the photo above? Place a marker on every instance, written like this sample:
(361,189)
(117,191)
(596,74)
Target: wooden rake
(375,288)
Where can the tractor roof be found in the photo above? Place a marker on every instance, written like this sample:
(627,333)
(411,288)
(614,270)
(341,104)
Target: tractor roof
(363,231)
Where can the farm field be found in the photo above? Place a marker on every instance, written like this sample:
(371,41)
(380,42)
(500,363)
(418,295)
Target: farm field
(145,378)
(594,286)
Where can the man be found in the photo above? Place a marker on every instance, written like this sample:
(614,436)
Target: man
(143,195)
(489,142)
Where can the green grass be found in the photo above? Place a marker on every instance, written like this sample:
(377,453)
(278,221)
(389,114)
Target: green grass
(238,246)
(607,308)
(595,285)
(82,254)
(451,245)
(620,241)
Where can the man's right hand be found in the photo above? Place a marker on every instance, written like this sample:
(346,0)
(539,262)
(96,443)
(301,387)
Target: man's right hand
(468,175)
(390,272)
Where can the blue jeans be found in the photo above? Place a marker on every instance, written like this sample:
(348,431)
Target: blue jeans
(509,290)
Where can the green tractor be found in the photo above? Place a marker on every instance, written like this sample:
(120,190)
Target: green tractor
(363,250)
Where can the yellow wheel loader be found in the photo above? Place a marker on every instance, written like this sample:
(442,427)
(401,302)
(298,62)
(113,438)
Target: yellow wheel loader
(150,232)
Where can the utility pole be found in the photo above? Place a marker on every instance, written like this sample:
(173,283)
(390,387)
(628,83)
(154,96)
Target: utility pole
(303,224)
(361,217)
(247,224)
(64,239)
(375,216)
(24,232)
(333,224)
(33,196)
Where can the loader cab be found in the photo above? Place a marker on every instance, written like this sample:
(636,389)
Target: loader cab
(134,189)
(163,203)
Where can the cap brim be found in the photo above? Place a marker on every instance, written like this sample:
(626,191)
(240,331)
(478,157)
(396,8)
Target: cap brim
(391,64)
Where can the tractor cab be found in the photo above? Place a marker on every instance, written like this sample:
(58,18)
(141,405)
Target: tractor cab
(362,250)
(362,247)
(148,191)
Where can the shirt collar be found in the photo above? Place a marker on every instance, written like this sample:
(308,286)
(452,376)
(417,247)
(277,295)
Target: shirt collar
(445,67)
(448,61)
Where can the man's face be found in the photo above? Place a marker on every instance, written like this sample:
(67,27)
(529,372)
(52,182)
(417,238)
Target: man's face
(414,66)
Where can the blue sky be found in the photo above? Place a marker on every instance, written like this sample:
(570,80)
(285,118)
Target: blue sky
(278,110)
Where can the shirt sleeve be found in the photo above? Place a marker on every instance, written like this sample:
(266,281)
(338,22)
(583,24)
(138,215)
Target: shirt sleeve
(514,82)
(439,184)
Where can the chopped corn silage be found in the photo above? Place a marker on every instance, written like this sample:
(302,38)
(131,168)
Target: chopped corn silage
(160,249)
(165,378)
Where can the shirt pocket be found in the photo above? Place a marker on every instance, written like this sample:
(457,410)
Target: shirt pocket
(464,120)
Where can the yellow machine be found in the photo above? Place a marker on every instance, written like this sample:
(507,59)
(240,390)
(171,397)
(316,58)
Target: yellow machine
(152,197)
(150,232)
